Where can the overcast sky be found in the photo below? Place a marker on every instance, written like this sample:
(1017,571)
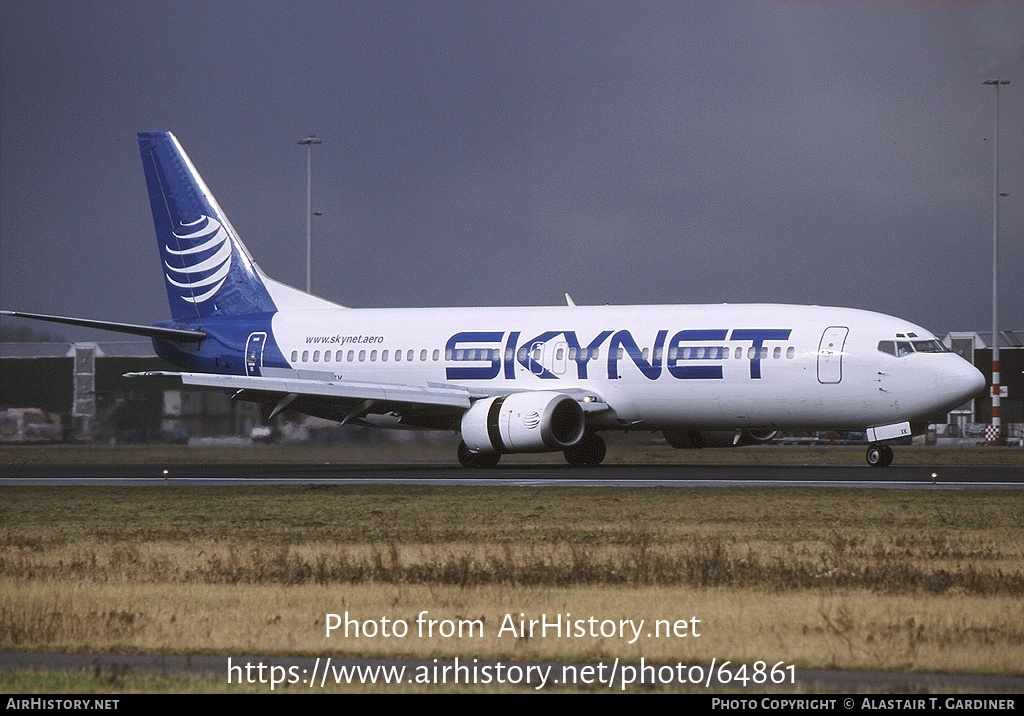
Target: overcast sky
(503,153)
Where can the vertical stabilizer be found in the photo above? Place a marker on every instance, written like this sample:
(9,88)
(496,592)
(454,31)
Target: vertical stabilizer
(207,270)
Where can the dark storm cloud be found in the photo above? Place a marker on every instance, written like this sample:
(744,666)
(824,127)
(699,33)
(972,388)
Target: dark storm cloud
(486,153)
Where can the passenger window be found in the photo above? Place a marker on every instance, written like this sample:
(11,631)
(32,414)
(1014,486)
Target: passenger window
(437,354)
(305,356)
(373,356)
(411,354)
(790,352)
(338,356)
(739,353)
(644,353)
(351,356)
(777,353)
(327,356)
(295,356)
(398,356)
(362,356)
(384,356)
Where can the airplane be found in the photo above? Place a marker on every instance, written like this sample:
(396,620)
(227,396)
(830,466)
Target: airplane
(527,379)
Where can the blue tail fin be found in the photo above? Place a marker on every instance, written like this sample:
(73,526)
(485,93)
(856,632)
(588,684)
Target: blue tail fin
(207,269)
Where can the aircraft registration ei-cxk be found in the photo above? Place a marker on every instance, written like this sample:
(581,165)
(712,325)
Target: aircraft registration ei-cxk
(533,379)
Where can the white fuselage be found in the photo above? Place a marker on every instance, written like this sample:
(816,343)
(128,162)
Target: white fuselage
(692,366)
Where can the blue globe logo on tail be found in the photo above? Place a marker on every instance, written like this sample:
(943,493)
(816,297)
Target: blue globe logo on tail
(205,260)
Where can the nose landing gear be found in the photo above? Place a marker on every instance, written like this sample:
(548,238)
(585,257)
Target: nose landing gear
(879,455)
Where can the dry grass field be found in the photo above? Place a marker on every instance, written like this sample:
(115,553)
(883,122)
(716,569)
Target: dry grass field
(859,579)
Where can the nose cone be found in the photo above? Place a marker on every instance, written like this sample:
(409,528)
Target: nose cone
(960,382)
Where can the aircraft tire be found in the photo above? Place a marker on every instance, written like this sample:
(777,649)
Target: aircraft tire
(887,456)
(879,455)
(590,451)
(484,460)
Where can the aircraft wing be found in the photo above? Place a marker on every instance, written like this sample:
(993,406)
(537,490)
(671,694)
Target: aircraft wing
(348,400)
(310,384)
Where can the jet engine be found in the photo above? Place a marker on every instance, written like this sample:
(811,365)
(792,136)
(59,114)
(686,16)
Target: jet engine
(540,421)
(695,439)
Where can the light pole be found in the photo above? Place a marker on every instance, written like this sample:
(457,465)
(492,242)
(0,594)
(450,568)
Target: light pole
(996,433)
(309,142)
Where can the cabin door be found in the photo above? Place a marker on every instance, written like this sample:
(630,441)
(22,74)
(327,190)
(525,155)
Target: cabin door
(830,354)
(254,353)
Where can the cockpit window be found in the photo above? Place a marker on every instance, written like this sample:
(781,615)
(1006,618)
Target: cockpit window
(932,346)
(905,348)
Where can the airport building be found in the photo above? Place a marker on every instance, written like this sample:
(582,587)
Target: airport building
(977,348)
(80,388)
(78,392)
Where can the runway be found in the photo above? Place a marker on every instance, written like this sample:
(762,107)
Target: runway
(677,476)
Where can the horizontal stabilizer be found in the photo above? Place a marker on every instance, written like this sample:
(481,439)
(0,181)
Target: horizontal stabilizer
(180,335)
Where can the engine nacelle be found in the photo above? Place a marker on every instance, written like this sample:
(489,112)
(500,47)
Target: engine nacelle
(695,439)
(539,421)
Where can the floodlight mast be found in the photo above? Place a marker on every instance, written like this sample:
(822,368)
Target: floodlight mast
(995,436)
(309,142)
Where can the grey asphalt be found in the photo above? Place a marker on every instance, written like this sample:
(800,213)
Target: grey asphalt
(148,474)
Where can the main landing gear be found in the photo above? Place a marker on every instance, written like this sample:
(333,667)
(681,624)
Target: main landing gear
(588,452)
(879,455)
(485,460)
